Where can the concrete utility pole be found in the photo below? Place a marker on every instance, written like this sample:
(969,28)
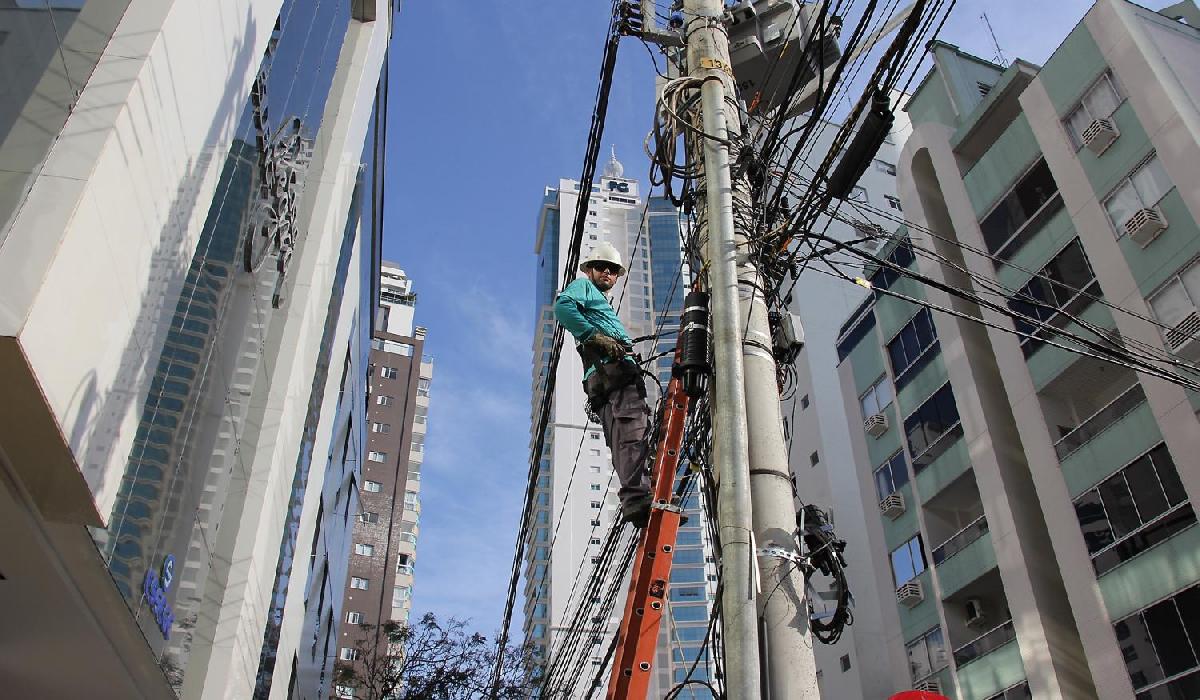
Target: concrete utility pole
(748,433)
(708,59)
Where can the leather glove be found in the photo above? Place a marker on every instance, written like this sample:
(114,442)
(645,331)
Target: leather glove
(608,345)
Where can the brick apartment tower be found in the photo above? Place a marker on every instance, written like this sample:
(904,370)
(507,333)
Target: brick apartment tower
(379,584)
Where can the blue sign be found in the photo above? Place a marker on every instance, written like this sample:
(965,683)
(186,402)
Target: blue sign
(154,592)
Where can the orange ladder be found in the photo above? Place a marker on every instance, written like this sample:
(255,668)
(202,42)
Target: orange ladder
(645,604)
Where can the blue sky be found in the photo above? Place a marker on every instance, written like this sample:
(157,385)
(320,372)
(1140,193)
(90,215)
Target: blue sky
(490,103)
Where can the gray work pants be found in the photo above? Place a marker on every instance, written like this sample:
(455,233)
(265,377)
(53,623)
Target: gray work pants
(626,419)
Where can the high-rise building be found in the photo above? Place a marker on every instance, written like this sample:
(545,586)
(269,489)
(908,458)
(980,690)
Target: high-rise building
(1034,502)
(575,501)
(814,409)
(379,584)
(183,229)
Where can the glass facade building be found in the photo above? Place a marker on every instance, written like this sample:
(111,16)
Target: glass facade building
(184,193)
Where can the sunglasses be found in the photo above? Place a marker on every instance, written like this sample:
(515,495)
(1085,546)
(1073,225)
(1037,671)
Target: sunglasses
(606,267)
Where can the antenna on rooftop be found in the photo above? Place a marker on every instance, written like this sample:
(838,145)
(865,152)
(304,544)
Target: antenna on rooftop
(998,58)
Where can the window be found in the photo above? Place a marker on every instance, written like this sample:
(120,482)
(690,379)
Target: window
(1010,215)
(858,194)
(1176,301)
(1064,286)
(804,402)
(908,348)
(1143,189)
(354,618)
(893,202)
(418,443)
(876,398)
(423,386)
(925,427)
(595,452)
(908,560)
(343,691)
(373,456)
(595,523)
(1163,641)
(359,583)
(385,400)
(388,372)
(1099,102)
(596,504)
(365,550)
(348,654)
(814,459)
(372,486)
(983,88)
(1133,510)
(885,167)
(594,540)
(902,256)
(381,427)
(595,487)
(891,475)
(400,594)
(368,517)
(594,469)
(927,654)
(845,661)
(411,500)
(593,436)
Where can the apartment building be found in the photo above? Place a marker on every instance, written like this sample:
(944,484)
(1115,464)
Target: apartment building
(1034,502)
(575,501)
(378,585)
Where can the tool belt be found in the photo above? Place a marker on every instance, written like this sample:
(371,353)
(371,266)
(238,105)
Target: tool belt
(608,377)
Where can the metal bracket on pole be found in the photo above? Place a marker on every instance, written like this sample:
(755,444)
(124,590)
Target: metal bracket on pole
(781,553)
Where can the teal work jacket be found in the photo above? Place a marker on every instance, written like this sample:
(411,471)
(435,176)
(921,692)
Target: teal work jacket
(584,311)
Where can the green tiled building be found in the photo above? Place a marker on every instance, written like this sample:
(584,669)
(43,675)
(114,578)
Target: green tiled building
(1035,502)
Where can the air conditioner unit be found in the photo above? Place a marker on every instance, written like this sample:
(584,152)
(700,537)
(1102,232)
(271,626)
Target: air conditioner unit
(1184,338)
(1099,135)
(892,506)
(876,424)
(929,685)
(1145,225)
(910,594)
(975,613)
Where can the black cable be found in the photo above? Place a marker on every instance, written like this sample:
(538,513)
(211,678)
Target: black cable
(591,154)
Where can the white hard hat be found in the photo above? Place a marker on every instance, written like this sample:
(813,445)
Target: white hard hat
(604,252)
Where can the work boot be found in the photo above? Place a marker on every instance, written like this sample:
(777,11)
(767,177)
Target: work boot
(636,510)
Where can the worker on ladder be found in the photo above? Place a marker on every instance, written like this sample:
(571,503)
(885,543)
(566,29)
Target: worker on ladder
(612,378)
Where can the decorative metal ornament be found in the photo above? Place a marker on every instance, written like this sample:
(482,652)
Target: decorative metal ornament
(270,220)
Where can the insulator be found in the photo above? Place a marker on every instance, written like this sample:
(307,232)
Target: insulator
(695,359)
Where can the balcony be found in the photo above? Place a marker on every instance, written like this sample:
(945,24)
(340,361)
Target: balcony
(1100,421)
(990,663)
(985,643)
(960,540)
(951,464)
(971,560)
